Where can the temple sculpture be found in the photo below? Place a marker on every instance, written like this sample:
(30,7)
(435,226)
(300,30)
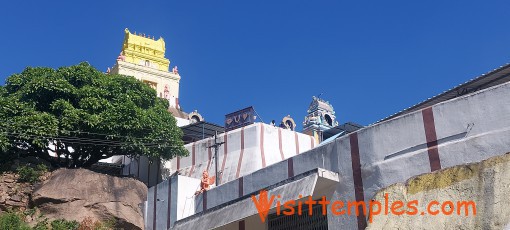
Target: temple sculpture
(205,182)
(321,117)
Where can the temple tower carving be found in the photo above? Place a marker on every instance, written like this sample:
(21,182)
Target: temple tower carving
(143,57)
(321,117)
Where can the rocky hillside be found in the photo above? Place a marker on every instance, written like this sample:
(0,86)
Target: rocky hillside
(76,194)
(487,184)
(14,194)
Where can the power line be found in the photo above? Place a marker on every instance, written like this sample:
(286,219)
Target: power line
(84,132)
(90,141)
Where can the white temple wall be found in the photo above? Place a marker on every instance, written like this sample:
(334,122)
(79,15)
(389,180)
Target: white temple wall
(466,129)
(245,150)
(462,130)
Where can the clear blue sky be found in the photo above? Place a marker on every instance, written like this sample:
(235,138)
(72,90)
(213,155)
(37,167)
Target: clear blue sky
(370,59)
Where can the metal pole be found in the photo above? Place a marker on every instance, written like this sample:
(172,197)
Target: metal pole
(216,146)
(216,157)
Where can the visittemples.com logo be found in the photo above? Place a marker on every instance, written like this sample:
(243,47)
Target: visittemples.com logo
(295,207)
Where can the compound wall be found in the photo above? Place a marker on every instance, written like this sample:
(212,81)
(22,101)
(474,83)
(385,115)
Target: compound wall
(463,130)
(244,151)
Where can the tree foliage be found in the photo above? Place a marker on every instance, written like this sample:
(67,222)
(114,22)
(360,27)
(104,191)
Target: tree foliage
(86,114)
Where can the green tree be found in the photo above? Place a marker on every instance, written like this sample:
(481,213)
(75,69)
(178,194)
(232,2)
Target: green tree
(88,115)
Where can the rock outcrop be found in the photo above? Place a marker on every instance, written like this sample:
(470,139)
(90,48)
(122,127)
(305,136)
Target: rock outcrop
(12,193)
(74,194)
(487,184)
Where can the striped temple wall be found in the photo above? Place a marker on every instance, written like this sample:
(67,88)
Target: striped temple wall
(463,130)
(244,151)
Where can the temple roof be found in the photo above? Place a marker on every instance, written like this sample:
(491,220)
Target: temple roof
(140,48)
(177,113)
(320,104)
(200,130)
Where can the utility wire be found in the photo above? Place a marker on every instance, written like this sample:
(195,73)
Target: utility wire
(90,141)
(258,115)
(83,132)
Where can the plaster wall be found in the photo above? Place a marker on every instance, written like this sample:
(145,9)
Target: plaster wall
(245,208)
(172,202)
(180,122)
(245,150)
(486,184)
(459,131)
(150,172)
(144,73)
(468,129)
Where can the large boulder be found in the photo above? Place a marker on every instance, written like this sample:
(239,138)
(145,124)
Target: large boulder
(486,183)
(74,194)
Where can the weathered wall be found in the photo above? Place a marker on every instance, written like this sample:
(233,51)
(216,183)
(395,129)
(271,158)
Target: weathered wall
(174,199)
(463,130)
(217,217)
(486,183)
(150,172)
(245,150)
(261,145)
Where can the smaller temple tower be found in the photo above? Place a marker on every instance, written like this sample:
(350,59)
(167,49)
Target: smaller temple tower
(321,116)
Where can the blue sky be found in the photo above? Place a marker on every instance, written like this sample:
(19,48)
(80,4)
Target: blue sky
(369,59)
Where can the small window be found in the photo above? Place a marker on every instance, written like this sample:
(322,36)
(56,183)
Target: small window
(290,125)
(328,120)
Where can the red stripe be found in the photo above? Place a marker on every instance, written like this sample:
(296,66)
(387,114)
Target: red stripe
(297,142)
(169,201)
(431,137)
(154,207)
(192,159)
(224,156)
(262,145)
(358,181)
(241,225)
(241,186)
(240,154)
(209,153)
(312,142)
(290,167)
(280,142)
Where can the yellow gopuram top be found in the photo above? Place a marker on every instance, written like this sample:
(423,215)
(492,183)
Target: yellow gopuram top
(143,50)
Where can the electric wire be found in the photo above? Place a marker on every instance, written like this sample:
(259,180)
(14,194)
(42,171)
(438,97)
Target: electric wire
(90,141)
(84,132)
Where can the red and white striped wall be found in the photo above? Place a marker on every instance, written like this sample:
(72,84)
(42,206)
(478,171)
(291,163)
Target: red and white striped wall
(245,150)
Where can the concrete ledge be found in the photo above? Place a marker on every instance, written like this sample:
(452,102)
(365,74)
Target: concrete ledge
(304,185)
